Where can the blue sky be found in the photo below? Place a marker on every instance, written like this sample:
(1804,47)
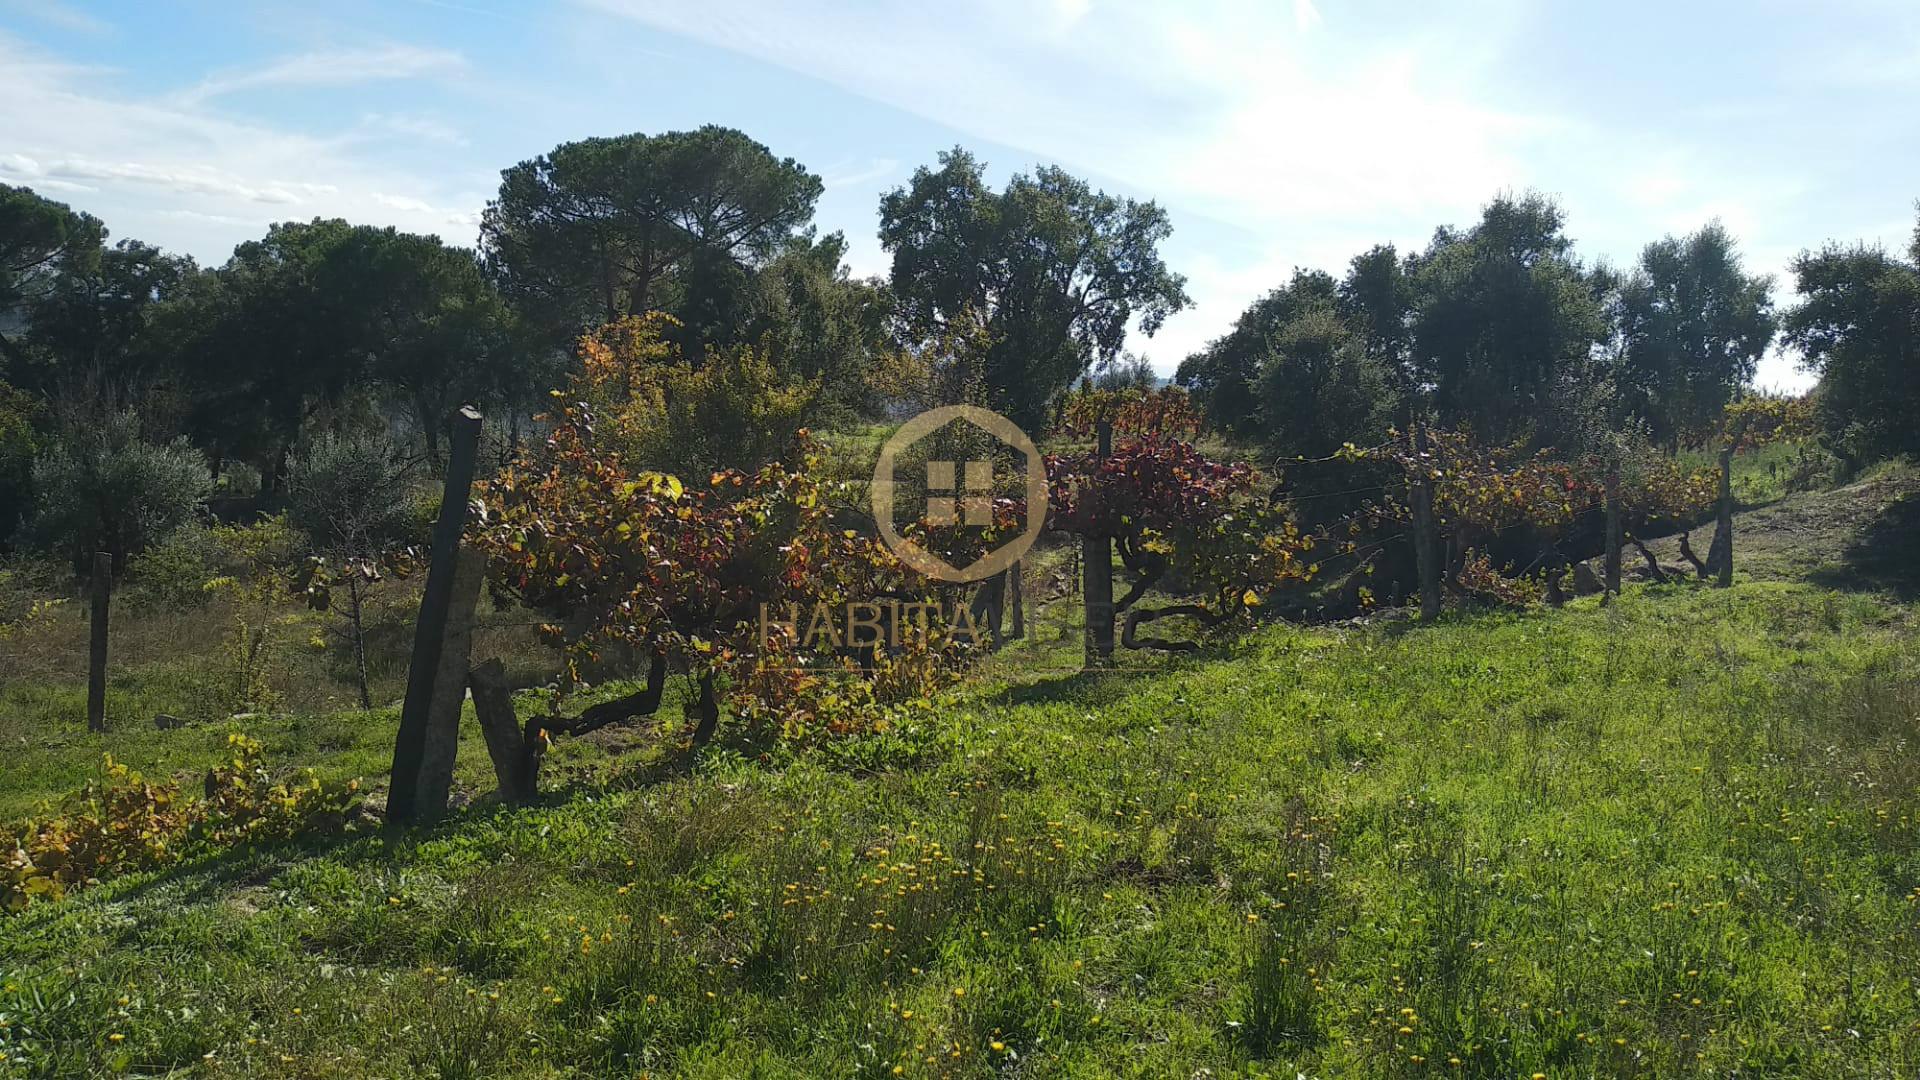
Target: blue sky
(1278,134)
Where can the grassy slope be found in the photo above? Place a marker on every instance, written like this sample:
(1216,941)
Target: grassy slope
(1858,536)
(1673,836)
(1685,823)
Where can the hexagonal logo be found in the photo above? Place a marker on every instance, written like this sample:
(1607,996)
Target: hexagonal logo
(959,493)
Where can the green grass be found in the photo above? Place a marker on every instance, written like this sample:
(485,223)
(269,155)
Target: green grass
(1765,475)
(1673,837)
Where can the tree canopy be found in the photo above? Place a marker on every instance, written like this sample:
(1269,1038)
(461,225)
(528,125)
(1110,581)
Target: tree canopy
(1858,328)
(1056,271)
(1692,326)
(604,227)
(1499,311)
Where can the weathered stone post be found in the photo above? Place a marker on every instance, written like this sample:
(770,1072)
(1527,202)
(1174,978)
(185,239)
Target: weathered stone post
(430,632)
(449,689)
(1723,522)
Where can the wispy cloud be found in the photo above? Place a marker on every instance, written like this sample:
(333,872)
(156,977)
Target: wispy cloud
(1233,108)
(854,172)
(181,173)
(403,202)
(413,126)
(339,67)
(194,180)
(1272,119)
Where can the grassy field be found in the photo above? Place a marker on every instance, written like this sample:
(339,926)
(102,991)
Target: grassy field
(1675,836)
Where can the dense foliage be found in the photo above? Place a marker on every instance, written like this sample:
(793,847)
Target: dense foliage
(658,408)
(104,487)
(1057,270)
(690,260)
(624,556)
(1172,512)
(605,227)
(1858,328)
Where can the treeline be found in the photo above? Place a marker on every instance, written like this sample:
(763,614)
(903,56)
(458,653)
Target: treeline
(1501,328)
(134,382)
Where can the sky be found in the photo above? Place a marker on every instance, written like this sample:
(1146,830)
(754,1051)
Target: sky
(1277,134)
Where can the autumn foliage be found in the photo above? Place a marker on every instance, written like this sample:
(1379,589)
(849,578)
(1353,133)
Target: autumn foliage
(125,822)
(1176,516)
(619,555)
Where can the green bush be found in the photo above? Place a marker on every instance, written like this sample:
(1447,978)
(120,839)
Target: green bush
(104,488)
(351,494)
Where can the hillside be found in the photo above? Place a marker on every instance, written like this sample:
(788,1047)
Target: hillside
(1857,536)
(1673,836)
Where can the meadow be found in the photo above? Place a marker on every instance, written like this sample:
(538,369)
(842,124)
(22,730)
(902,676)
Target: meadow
(1670,836)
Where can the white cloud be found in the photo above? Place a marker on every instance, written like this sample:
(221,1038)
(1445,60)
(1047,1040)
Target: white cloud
(340,67)
(1225,107)
(218,219)
(1286,123)
(403,202)
(1069,12)
(201,181)
(173,172)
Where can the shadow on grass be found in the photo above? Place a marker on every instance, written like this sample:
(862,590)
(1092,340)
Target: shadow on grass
(1885,557)
(210,874)
(1108,686)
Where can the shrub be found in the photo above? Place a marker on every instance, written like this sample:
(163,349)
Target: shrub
(104,488)
(776,691)
(351,493)
(621,556)
(352,497)
(172,575)
(664,411)
(1178,518)
(126,822)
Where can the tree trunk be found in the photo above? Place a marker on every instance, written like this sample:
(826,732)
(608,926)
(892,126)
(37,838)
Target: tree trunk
(1097,592)
(708,710)
(275,482)
(989,607)
(1556,596)
(356,626)
(1017,601)
(97,642)
(514,765)
(1653,564)
(429,428)
(517,754)
(1686,552)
